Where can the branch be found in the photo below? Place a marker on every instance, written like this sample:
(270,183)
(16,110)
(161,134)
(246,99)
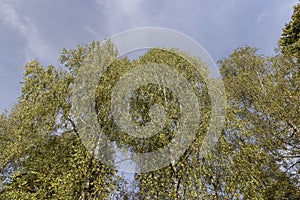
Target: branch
(293,127)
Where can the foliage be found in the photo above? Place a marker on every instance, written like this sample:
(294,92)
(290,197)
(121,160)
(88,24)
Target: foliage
(257,156)
(290,38)
(41,151)
(263,94)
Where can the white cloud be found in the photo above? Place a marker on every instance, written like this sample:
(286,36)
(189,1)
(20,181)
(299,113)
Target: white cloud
(36,47)
(129,7)
(9,15)
(91,31)
(260,17)
(121,14)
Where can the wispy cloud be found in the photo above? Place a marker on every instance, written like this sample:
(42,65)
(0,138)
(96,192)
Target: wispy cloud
(260,17)
(36,47)
(125,14)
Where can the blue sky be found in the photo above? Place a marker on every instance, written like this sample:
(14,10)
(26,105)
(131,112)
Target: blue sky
(35,29)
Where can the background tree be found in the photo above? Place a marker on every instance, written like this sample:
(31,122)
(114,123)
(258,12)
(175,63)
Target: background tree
(290,38)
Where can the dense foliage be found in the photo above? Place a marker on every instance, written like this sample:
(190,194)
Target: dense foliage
(290,39)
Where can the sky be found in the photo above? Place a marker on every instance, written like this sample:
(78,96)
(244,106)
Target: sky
(35,29)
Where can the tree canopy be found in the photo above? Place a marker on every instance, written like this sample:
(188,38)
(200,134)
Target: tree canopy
(290,38)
